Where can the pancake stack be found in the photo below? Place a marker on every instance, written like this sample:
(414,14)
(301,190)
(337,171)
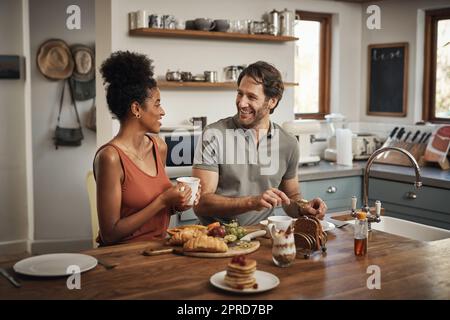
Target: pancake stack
(240,273)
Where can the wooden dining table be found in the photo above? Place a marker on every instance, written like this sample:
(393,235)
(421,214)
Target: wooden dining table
(409,269)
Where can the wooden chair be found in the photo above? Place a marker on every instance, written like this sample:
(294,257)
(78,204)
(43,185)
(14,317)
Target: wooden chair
(92,193)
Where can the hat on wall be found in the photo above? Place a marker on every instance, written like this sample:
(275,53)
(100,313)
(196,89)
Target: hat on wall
(84,60)
(82,80)
(54,60)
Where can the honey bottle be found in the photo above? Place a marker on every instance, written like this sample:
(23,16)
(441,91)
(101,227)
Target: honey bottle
(361,234)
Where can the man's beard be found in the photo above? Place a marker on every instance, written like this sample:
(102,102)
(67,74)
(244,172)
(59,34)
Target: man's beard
(258,116)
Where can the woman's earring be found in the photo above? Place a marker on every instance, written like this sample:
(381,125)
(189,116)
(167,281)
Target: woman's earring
(138,115)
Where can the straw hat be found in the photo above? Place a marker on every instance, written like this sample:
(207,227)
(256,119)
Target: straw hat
(54,60)
(83,57)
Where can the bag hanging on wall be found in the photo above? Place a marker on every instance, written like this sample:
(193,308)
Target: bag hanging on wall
(91,122)
(68,136)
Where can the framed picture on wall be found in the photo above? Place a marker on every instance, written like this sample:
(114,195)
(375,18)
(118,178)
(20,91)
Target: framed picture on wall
(9,67)
(387,91)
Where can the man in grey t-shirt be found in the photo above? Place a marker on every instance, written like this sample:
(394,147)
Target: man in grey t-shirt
(248,164)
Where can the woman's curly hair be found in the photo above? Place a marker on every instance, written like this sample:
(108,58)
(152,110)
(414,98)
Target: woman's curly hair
(127,76)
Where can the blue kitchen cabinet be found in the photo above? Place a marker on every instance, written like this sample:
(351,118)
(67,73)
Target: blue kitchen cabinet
(336,193)
(427,205)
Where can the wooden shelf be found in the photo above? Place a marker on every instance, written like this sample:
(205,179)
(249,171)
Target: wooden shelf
(170,33)
(205,85)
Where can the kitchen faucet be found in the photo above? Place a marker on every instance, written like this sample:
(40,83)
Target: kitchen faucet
(376,218)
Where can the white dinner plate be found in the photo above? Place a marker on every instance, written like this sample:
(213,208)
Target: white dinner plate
(54,265)
(265,280)
(326,226)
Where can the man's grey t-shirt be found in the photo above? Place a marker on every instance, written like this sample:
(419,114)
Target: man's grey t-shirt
(245,167)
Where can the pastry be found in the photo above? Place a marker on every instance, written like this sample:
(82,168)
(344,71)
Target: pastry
(179,238)
(205,243)
(172,231)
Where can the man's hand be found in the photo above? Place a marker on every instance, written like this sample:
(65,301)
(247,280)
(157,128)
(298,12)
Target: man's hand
(269,199)
(316,207)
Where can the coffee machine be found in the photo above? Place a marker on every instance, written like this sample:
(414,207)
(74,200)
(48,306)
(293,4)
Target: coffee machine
(304,131)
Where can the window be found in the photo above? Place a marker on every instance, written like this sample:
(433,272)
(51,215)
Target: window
(436,93)
(312,65)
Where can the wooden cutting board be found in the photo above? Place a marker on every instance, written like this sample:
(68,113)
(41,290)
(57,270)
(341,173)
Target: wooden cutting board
(232,251)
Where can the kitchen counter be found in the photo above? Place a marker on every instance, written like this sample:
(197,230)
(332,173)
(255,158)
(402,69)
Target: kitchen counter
(409,270)
(329,170)
(432,177)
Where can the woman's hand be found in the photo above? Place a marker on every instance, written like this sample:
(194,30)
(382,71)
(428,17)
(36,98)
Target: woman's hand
(197,199)
(177,196)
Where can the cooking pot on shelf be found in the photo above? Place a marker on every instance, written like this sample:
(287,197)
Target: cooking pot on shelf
(173,76)
(210,76)
(186,76)
(232,72)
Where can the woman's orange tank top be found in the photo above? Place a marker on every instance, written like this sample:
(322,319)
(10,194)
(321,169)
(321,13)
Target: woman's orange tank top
(139,189)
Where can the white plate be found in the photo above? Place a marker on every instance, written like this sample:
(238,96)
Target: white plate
(54,265)
(326,226)
(265,280)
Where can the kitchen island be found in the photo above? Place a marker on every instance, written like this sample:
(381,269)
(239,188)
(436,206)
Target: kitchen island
(409,270)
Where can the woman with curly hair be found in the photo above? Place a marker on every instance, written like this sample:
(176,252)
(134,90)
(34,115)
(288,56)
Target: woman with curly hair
(134,195)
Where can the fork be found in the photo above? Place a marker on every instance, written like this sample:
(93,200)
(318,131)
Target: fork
(108,266)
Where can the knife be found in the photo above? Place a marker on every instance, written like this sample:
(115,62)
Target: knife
(253,235)
(10,278)
(157,252)
(393,133)
(388,141)
(426,138)
(407,136)
(415,135)
(422,137)
(400,133)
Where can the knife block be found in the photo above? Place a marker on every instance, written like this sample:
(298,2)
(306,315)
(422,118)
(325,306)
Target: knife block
(395,158)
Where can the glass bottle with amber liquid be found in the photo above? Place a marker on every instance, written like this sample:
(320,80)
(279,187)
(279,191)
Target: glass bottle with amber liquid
(361,234)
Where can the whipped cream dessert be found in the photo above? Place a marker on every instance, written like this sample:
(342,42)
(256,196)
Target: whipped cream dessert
(283,247)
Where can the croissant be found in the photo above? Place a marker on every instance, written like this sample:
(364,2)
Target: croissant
(179,238)
(205,243)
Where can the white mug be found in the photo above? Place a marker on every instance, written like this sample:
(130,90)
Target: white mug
(193,183)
